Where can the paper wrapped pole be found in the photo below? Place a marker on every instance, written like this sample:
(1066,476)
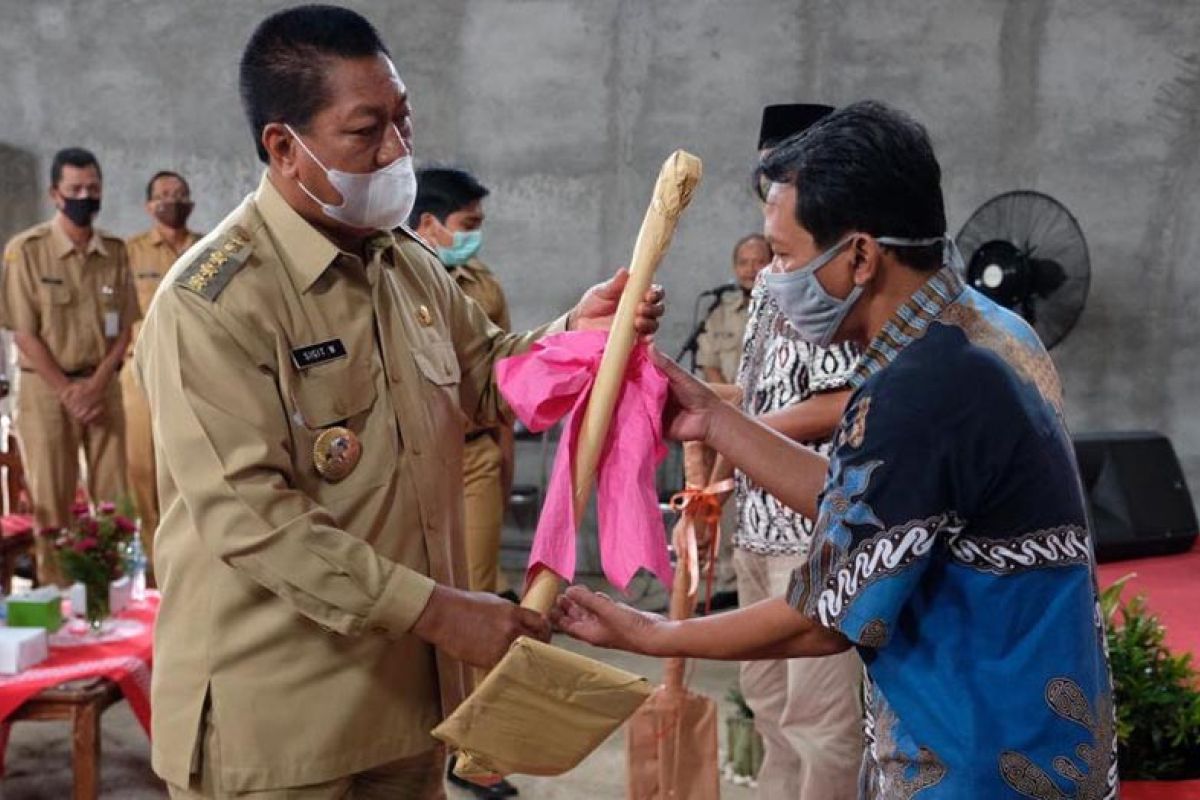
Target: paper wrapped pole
(488,752)
(673,191)
(671,745)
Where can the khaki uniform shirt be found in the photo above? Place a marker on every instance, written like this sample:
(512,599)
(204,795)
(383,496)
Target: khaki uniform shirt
(287,598)
(150,256)
(76,303)
(478,283)
(720,346)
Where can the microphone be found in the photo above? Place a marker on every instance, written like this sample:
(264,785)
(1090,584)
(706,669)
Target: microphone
(717,291)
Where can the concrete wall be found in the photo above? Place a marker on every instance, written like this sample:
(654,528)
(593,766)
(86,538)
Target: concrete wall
(567,107)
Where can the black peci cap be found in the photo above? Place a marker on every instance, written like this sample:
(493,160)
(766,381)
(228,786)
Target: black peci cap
(787,119)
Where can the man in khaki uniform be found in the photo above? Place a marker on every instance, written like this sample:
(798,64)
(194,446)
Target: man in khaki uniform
(718,354)
(719,348)
(151,254)
(310,375)
(70,302)
(448,214)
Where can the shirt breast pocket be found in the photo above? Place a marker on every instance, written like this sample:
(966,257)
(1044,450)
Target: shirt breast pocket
(438,364)
(332,397)
(56,297)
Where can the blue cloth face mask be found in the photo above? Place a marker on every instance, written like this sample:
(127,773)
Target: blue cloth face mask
(815,313)
(465,245)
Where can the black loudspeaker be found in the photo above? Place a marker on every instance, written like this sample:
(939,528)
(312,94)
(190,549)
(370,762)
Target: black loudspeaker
(1137,497)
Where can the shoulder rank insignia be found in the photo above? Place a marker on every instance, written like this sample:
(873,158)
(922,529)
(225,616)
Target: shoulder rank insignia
(211,269)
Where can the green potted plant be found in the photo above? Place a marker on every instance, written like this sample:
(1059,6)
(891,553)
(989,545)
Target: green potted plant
(1157,698)
(745,745)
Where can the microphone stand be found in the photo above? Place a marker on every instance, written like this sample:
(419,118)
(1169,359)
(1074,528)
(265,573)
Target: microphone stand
(693,341)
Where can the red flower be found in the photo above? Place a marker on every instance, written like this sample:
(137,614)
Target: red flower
(124,524)
(85,544)
(107,507)
(80,509)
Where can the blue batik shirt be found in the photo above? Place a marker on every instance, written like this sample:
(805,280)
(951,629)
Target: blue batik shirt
(952,549)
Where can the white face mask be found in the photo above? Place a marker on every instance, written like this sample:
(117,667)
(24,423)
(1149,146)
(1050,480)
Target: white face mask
(379,200)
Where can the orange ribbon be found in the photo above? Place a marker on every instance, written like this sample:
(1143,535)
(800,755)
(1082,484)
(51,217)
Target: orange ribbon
(698,505)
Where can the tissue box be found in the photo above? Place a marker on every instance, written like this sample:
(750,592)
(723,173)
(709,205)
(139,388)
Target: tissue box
(40,608)
(21,648)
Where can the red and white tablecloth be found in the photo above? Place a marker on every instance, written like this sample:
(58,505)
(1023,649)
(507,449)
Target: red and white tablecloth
(122,653)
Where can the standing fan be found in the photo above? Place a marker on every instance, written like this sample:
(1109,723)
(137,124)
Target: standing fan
(1026,252)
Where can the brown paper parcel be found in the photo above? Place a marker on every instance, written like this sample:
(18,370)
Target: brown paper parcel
(542,710)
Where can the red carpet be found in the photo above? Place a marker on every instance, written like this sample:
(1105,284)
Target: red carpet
(1172,588)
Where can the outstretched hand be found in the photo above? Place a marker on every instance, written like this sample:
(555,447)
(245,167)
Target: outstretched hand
(691,404)
(595,618)
(599,304)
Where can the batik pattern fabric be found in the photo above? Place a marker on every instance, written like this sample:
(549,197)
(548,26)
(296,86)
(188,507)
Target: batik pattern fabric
(778,370)
(952,549)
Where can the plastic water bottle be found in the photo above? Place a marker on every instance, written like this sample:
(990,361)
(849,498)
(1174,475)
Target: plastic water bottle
(135,566)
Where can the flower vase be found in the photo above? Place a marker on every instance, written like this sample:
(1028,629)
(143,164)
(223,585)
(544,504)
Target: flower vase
(97,606)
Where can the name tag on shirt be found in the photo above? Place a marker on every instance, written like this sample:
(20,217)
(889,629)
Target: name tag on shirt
(312,354)
(112,324)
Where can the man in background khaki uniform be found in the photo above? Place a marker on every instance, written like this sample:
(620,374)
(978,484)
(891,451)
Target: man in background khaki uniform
(719,348)
(70,301)
(718,354)
(309,375)
(151,254)
(448,214)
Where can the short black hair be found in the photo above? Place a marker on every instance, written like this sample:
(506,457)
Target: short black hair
(74,157)
(866,167)
(750,237)
(443,190)
(282,73)
(164,173)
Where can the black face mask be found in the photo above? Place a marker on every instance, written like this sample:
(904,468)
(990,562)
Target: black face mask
(81,210)
(172,213)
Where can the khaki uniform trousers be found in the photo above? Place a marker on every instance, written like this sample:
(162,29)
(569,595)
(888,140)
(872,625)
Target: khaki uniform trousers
(415,778)
(484,511)
(139,459)
(808,710)
(50,439)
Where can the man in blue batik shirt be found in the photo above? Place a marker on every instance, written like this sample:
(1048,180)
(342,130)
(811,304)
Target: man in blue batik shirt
(951,546)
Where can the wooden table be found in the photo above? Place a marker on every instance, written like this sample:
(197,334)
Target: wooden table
(81,702)
(80,679)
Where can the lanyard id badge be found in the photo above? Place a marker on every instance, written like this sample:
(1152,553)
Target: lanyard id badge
(112,317)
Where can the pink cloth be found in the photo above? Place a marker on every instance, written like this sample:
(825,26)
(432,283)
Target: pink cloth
(554,379)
